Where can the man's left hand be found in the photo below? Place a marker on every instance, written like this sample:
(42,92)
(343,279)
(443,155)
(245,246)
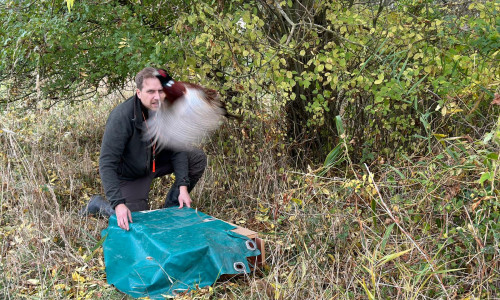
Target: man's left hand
(184,198)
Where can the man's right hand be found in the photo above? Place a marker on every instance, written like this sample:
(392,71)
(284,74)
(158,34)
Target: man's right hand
(123,216)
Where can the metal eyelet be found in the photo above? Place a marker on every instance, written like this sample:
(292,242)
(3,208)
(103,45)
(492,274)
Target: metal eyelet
(251,245)
(239,267)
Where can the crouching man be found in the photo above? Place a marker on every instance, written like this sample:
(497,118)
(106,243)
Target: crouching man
(128,162)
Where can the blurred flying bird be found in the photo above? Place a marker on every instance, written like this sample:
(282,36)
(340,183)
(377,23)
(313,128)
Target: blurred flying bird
(189,114)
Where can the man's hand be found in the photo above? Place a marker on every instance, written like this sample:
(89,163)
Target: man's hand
(184,197)
(123,216)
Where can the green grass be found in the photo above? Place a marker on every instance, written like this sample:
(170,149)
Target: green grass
(418,228)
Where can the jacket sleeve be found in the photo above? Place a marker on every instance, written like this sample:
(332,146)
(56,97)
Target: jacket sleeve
(116,135)
(181,168)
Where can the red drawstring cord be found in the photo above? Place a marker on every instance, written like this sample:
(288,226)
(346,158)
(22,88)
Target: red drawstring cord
(154,145)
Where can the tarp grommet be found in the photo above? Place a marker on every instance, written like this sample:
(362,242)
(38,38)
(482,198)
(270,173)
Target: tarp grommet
(239,267)
(251,245)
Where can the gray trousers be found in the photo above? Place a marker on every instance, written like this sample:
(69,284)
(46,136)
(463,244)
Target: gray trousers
(136,192)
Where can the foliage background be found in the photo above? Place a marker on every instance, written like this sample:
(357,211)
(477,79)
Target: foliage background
(367,157)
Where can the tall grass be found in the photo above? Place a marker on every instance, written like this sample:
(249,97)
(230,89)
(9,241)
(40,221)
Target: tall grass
(419,228)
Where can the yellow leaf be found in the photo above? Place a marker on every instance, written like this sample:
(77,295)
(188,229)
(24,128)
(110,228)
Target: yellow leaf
(290,280)
(455,110)
(439,135)
(60,286)
(368,293)
(77,277)
(380,79)
(444,111)
(70,4)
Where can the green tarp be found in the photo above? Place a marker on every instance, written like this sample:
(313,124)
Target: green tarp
(172,250)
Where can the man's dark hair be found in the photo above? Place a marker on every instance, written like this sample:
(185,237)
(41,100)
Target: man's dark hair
(145,73)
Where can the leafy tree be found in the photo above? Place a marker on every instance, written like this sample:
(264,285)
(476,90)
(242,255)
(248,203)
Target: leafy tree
(398,73)
(52,54)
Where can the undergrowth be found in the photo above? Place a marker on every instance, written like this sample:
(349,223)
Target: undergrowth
(416,228)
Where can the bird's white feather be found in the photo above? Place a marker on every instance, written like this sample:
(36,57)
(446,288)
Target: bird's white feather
(184,124)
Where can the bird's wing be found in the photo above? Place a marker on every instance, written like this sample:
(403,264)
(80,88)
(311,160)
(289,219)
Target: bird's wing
(185,123)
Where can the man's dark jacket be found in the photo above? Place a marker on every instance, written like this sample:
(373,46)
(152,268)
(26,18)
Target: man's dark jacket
(126,155)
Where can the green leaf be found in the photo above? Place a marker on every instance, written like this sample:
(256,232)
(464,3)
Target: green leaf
(93,250)
(398,172)
(340,126)
(493,156)
(386,236)
(484,177)
(332,157)
(416,84)
(393,256)
(487,137)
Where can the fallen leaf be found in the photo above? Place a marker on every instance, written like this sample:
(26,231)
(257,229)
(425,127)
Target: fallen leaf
(60,286)
(475,205)
(77,277)
(33,281)
(496,99)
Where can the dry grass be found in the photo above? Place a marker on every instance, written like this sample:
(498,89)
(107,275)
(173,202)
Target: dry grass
(421,229)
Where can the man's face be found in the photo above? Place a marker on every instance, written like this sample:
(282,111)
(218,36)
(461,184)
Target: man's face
(151,93)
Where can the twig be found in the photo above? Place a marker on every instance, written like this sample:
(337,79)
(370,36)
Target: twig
(338,35)
(294,26)
(283,13)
